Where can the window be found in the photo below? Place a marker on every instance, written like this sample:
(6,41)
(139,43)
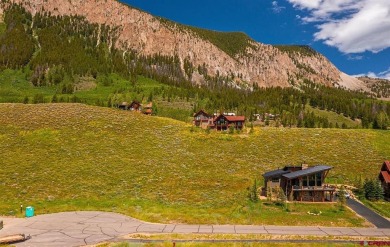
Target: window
(312,181)
(318,177)
(275,180)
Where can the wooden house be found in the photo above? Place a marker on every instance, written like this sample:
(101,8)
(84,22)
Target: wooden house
(223,122)
(202,119)
(148,109)
(123,106)
(384,177)
(301,183)
(135,106)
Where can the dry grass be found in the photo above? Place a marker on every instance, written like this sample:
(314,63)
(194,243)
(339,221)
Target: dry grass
(60,157)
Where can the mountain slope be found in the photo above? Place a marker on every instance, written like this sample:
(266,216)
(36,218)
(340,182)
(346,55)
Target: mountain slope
(243,62)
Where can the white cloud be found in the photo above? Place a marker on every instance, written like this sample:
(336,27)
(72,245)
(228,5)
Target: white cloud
(353,26)
(309,4)
(276,8)
(353,57)
(384,74)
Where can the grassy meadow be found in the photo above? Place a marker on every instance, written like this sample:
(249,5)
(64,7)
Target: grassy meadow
(234,244)
(333,117)
(381,207)
(61,157)
(15,87)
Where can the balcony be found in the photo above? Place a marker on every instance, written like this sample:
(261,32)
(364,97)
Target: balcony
(313,188)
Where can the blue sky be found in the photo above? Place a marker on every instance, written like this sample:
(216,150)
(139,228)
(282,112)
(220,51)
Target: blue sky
(353,34)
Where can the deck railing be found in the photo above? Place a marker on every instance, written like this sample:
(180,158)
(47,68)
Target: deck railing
(311,188)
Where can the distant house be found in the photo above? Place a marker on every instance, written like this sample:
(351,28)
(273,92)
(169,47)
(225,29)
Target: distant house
(384,177)
(229,114)
(257,117)
(271,116)
(301,183)
(223,122)
(265,116)
(123,106)
(135,106)
(218,121)
(202,119)
(148,109)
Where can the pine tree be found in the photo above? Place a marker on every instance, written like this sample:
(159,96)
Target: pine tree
(253,193)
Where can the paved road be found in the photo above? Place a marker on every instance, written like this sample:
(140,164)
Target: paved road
(368,214)
(81,228)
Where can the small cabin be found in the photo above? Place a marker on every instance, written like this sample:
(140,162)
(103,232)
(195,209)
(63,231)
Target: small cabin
(301,183)
(384,177)
(148,109)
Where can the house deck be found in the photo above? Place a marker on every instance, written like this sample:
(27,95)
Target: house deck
(313,188)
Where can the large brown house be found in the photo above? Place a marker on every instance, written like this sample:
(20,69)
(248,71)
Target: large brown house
(224,122)
(219,122)
(301,183)
(384,177)
(202,119)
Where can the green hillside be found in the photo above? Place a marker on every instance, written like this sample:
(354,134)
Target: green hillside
(334,118)
(300,49)
(60,157)
(233,43)
(48,58)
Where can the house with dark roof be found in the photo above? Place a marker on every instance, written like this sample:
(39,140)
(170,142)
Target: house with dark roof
(135,106)
(301,183)
(202,119)
(384,177)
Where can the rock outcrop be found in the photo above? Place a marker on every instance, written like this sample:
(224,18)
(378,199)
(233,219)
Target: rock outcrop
(260,64)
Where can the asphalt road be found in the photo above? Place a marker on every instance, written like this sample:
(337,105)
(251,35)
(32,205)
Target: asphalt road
(88,228)
(368,214)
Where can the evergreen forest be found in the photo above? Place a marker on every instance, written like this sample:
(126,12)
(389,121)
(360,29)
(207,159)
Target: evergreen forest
(46,58)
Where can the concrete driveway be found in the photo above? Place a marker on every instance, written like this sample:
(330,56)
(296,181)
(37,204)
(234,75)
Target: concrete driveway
(82,228)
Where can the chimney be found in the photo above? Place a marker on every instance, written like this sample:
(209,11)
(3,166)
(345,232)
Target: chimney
(304,166)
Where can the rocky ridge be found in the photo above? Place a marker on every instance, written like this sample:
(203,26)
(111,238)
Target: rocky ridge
(260,64)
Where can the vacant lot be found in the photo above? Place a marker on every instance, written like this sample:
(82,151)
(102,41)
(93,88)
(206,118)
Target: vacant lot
(60,157)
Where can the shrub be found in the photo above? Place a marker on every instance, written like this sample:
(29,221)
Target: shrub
(25,100)
(38,98)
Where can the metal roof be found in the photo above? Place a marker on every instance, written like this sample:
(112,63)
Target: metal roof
(386,176)
(274,173)
(308,171)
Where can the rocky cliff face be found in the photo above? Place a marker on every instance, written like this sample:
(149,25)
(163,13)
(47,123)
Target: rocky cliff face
(259,64)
